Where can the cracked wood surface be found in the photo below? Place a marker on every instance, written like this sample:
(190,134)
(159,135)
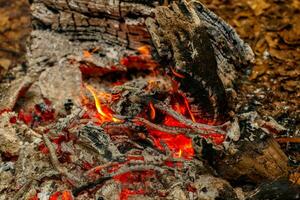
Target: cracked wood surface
(116,22)
(123,23)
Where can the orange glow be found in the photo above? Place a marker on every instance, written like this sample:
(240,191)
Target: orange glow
(177,74)
(144,50)
(180,145)
(189,109)
(86,54)
(105,115)
(152,111)
(67,195)
(180,153)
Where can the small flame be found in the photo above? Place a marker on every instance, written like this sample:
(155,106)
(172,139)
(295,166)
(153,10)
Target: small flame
(86,54)
(189,109)
(104,115)
(144,50)
(177,74)
(152,111)
(179,153)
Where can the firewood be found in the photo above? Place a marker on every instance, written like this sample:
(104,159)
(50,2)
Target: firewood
(186,29)
(257,155)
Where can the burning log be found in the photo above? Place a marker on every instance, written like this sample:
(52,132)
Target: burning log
(163,128)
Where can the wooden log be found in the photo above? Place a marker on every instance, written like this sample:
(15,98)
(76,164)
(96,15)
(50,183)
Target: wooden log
(255,161)
(113,21)
(255,156)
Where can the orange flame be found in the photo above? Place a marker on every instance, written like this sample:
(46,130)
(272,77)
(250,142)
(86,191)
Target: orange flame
(86,54)
(189,109)
(152,111)
(104,115)
(177,74)
(179,153)
(144,50)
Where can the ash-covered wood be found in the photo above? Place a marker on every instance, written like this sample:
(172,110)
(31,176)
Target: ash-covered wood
(136,134)
(10,93)
(187,36)
(116,22)
(203,48)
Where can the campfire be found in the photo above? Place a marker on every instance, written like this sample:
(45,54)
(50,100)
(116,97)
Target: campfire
(136,100)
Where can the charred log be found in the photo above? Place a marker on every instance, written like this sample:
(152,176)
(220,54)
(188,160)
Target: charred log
(256,156)
(278,190)
(115,22)
(202,48)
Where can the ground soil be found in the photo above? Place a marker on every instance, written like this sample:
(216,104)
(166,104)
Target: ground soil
(271,27)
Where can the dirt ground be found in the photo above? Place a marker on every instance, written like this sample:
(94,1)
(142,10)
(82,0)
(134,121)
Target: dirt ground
(273,31)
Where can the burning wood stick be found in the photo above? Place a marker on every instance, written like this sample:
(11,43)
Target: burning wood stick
(197,127)
(56,164)
(123,170)
(171,130)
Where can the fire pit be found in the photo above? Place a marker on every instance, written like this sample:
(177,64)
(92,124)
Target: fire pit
(136,100)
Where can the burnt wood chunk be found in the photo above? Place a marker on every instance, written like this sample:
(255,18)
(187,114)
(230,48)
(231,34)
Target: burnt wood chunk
(116,22)
(190,48)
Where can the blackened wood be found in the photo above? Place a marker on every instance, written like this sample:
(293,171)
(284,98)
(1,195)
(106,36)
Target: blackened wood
(204,50)
(255,161)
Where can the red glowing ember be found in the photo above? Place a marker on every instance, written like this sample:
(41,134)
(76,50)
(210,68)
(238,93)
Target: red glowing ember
(143,61)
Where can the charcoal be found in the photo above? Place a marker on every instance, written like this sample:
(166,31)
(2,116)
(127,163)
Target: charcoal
(100,141)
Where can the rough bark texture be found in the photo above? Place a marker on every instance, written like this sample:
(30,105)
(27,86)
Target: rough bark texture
(255,161)
(116,22)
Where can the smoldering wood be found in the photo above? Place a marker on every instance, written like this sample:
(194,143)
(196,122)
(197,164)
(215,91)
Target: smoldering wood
(122,24)
(116,22)
(203,48)
(56,164)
